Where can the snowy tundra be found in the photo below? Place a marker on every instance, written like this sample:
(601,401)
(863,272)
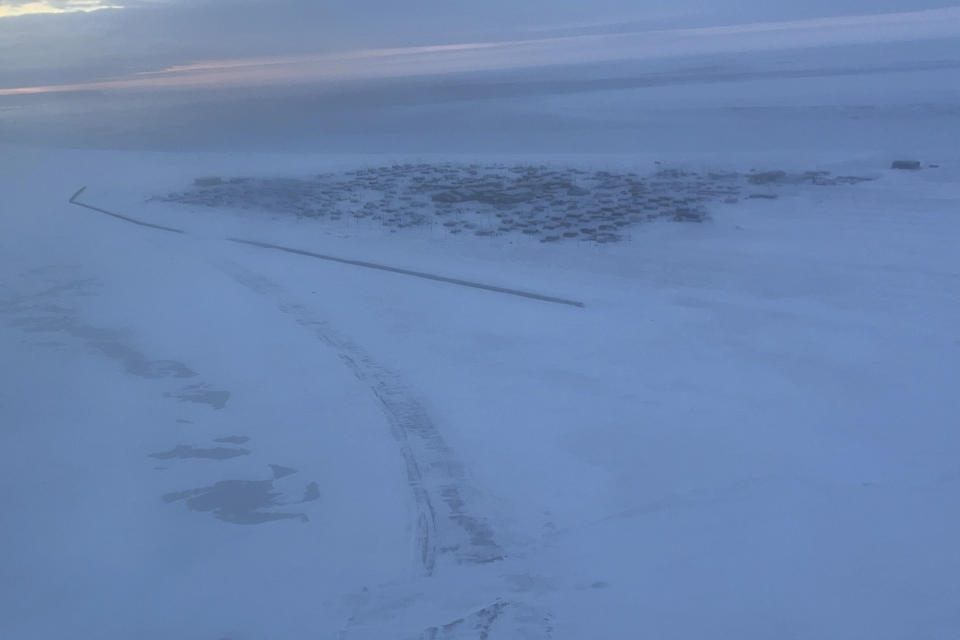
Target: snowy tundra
(747,428)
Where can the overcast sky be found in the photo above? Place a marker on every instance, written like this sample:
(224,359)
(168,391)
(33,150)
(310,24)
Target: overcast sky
(137,42)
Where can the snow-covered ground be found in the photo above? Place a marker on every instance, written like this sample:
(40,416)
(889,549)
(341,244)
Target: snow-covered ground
(749,430)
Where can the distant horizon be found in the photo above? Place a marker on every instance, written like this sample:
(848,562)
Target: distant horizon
(606,85)
(97,56)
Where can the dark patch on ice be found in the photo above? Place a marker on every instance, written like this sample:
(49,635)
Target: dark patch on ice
(311,493)
(184,451)
(109,343)
(908,165)
(41,312)
(236,501)
(233,439)
(281,471)
(202,394)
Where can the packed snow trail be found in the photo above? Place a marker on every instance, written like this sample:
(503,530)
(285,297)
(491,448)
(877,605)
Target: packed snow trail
(446,522)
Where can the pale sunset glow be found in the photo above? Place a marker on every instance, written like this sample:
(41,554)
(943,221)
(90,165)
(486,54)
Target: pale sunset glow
(513,54)
(32,8)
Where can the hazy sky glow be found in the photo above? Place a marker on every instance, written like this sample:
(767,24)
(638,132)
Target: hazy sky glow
(510,54)
(10,10)
(70,45)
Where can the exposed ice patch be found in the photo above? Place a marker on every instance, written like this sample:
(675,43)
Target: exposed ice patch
(279,471)
(236,501)
(202,394)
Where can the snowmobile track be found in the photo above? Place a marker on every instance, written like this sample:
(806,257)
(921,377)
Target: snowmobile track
(446,523)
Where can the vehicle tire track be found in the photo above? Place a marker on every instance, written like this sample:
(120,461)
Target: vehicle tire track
(446,522)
